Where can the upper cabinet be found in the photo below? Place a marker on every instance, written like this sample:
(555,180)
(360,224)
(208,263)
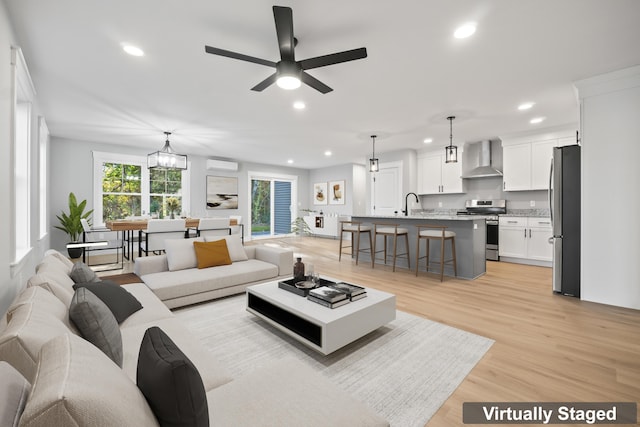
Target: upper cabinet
(527,162)
(437,177)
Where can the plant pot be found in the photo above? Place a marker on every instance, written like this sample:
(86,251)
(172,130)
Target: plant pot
(74,252)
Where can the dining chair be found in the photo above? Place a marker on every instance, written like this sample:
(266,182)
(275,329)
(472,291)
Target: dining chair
(158,230)
(214,227)
(100,239)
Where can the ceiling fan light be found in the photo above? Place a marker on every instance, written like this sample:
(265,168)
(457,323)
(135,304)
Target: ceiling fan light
(288,82)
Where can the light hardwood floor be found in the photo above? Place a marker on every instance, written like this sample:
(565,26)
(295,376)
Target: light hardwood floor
(547,347)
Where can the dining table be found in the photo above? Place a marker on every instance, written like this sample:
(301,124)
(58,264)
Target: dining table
(129,226)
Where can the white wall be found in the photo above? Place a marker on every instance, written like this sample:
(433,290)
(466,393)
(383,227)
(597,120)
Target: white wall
(72,171)
(13,278)
(353,188)
(610,265)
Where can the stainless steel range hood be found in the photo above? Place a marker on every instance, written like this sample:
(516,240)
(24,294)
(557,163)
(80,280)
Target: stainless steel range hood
(484,168)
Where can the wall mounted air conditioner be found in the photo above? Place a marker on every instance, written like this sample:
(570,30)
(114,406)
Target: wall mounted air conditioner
(222,165)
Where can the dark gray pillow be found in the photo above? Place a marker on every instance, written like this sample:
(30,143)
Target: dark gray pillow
(170,382)
(121,303)
(96,323)
(14,390)
(81,273)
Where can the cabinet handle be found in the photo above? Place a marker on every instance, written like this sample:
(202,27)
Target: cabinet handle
(512,222)
(529,233)
(504,185)
(525,233)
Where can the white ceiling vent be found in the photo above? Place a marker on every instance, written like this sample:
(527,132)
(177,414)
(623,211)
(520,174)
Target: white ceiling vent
(224,165)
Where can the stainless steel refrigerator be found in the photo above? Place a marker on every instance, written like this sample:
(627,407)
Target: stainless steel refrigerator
(564,203)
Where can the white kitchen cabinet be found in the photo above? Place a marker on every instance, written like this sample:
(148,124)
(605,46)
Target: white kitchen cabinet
(437,177)
(324,225)
(538,246)
(525,239)
(512,237)
(526,166)
(516,167)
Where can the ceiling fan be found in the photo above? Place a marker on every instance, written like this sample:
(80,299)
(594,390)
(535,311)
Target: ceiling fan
(289,72)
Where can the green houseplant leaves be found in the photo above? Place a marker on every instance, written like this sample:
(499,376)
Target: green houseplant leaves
(70,222)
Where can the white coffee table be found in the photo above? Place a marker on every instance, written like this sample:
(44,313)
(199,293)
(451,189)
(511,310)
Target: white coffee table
(320,328)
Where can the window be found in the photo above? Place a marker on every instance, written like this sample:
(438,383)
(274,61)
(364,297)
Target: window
(23,95)
(164,185)
(272,203)
(124,187)
(43,171)
(121,190)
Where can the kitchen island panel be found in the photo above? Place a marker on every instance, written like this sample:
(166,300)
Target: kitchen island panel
(470,243)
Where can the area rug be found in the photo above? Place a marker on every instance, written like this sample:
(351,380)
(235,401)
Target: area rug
(404,371)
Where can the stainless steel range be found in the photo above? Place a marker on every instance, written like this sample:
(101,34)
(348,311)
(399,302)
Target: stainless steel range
(489,209)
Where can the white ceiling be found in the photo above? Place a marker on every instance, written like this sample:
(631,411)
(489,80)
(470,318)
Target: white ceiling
(416,73)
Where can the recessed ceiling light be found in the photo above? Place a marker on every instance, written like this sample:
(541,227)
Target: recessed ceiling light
(428,140)
(526,106)
(299,105)
(132,50)
(536,120)
(290,161)
(327,153)
(464,31)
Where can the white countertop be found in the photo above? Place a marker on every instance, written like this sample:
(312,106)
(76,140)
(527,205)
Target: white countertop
(427,216)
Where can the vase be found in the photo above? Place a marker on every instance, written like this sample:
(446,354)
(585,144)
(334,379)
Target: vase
(298,269)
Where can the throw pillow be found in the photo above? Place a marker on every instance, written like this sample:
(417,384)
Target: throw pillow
(170,382)
(14,390)
(212,254)
(234,245)
(96,323)
(81,273)
(77,385)
(180,253)
(121,303)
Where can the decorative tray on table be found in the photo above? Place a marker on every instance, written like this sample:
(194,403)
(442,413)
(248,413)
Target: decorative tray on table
(302,287)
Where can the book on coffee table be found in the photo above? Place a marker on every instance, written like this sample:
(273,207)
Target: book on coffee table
(328,294)
(327,303)
(354,292)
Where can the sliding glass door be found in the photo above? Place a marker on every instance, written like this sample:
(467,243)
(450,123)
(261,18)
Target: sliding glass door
(271,206)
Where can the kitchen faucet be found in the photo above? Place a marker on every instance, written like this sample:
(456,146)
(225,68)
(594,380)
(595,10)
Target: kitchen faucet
(406,203)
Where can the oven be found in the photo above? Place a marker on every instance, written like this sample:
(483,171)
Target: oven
(492,240)
(489,209)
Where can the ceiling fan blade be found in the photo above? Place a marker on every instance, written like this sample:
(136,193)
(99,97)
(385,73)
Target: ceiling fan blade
(240,56)
(333,58)
(315,83)
(284,29)
(265,83)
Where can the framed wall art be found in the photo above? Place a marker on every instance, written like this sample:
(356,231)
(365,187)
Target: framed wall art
(222,192)
(336,192)
(320,193)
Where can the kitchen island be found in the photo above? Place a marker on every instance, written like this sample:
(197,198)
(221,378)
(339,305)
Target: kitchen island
(470,242)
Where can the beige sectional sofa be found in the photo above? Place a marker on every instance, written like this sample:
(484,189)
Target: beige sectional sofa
(73,382)
(176,280)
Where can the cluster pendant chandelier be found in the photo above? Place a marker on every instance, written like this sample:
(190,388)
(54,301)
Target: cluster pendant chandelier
(167,158)
(373,161)
(451,151)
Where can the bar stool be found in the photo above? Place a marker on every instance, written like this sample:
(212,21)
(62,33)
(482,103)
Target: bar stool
(437,232)
(388,230)
(355,228)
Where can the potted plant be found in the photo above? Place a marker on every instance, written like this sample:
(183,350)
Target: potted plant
(173,205)
(299,226)
(70,223)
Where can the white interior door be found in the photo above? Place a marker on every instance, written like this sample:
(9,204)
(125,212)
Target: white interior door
(386,190)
